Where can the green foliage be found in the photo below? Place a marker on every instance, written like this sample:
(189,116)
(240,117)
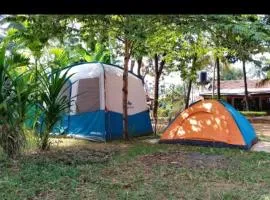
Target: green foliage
(185,43)
(99,53)
(163,112)
(245,36)
(192,56)
(240,175)
(262,68)
(52,101)
(172,103)
(34,31)
(32,141)
(231,73)
(15,93)
(62,56)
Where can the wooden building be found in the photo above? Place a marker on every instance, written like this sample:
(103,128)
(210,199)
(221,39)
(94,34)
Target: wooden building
(233,91)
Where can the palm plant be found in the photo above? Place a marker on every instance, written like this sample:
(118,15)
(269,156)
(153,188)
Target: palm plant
(14,98)
(53,103)
(98,53)
(63,56)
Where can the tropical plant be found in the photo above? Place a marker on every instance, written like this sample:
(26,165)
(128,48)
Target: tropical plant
(53,103)
(15,93)
(64,56)
(99,53)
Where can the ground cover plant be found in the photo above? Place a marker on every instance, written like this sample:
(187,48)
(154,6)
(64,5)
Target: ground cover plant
(78,169)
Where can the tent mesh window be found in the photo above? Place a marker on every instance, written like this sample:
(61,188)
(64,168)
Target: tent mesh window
(88,99)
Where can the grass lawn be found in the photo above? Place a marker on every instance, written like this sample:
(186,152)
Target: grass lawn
(77,169)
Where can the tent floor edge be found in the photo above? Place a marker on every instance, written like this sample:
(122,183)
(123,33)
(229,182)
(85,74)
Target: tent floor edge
(255,141)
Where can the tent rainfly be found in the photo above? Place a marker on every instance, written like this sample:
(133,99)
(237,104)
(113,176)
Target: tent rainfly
(95,113)
(211,123)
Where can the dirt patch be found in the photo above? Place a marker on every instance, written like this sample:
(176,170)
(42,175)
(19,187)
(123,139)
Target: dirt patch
(187,160)
(261,146)
(72,156)
(71,151)
(73,143)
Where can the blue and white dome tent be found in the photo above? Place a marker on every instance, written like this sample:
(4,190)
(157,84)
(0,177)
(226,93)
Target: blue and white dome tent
(96,106)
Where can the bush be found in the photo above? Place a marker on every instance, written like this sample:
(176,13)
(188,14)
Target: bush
(53,101)
(253,113)
(15,93)
(11,139)
(163,112)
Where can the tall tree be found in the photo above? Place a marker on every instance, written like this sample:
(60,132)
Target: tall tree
(218,77)
(160,43)
(192,57)
(126,30)
(246,38)
(158,66)
(165,43)
(213,81)
(214,26)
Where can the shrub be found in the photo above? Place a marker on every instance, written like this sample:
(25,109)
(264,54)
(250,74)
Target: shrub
(14,96)
(53,103)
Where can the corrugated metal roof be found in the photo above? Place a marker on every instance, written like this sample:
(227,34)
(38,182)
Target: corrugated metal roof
(236,87)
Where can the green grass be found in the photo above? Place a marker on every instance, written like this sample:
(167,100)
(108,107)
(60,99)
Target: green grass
(265,138)
(128,174)
(254,113)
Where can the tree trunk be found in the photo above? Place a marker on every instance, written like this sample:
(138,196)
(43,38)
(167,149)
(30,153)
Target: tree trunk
(125,90)
(36,94)
(246,88)
(188,94)
(156,94)
(132,65)
(218,79)
(213,82)
(158,68)
(139,61)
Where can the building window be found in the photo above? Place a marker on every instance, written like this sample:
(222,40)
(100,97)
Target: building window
(229,100)
(254,103)
(238,103)
(266,103)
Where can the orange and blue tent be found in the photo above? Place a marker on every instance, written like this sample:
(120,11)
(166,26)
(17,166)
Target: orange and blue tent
(210,123)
